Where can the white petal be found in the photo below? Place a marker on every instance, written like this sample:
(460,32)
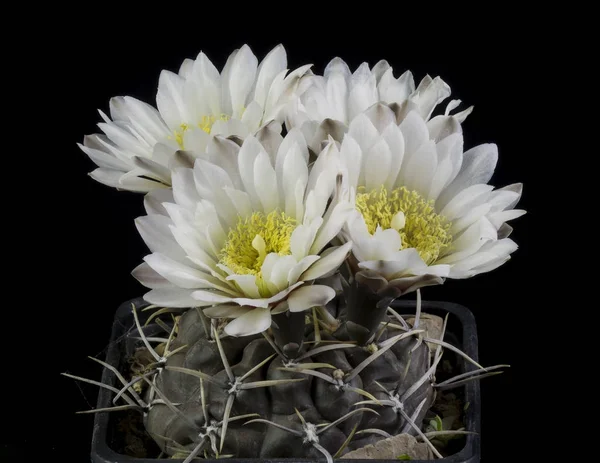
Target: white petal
(169,99)
(225,88)
(337,66)
(441,127)
(229,128)
(415,133)
(283,91)
(377,165)
(395,141)
(208,80)
(145,119)
(477,167)
(294,138)
(280,271)
(420,168)
(185,70)
(274,63)
(113,178)
(240,200)
(247,284)
(241,79)
(149,278)
(107,177)
(206,217)
(270,138)
(211,181)
(383,245)
(405,262)
(246,159)
(351,158)
(195,246)
(154,199)
(430,94)
(195,139)
(125,138)
(468,243)
(163,153)
(310,296)
(294,176)
(265,182)
(380,68)
(501,248)
(461,116)
(252,322)
(213,297)
(300,267)
(103,143)
(330,261)
(445,167)
(505,198)
(437,270)
(217,297)
(280,308)
(226,311)
(363,131)
(267,268)
(381,116)
(363,91)
(337,96)
(332,225)
(472,216)
(490,265)
(153,169)
(177,273)
(155,231)
(252,116)
(184,188)
(303,237)
(103,159)
(389,238)
(170,297)
(498,218)
(224,153)
(490,257)
(209,177)
(317,199)
(393,90)
(466,200)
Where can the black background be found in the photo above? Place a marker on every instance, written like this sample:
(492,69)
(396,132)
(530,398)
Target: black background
(93,243)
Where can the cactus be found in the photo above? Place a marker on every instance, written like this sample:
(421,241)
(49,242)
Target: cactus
(305,388)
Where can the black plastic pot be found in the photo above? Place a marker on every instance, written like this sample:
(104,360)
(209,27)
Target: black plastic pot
(461,325)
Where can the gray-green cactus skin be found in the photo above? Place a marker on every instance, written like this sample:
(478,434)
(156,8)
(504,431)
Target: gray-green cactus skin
(367,391)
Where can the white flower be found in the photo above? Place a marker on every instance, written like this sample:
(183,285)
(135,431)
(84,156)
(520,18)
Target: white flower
(424,209)
(339,96)
(245,231)
(136,151)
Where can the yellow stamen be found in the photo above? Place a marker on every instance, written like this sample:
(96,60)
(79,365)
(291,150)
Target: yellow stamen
(206,123)
(408,212)
(252,239)
(179,134)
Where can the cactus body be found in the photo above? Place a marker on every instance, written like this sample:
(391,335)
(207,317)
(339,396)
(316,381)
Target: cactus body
(304,406)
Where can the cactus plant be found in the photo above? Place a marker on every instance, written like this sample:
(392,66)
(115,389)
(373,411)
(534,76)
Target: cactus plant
(304,388)
(275,255)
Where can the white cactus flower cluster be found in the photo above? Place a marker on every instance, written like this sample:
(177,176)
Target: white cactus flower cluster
(260,182)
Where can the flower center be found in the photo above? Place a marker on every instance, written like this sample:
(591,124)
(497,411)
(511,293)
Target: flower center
(206,123)
(414,217)
(253,238)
